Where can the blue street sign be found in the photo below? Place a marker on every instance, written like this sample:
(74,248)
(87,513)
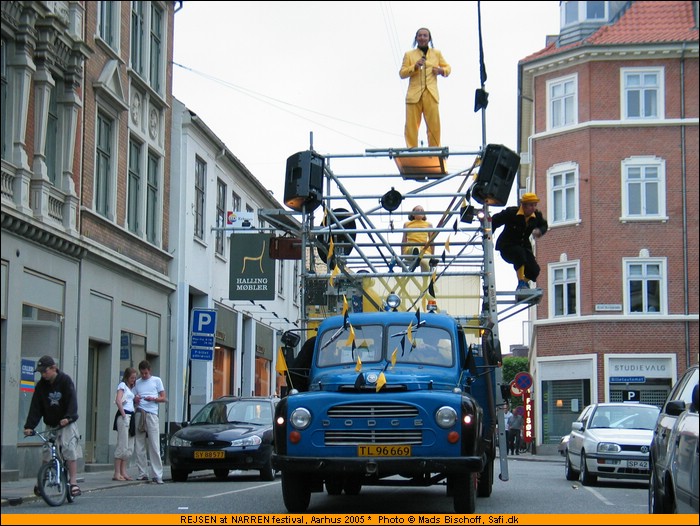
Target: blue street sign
(202,334)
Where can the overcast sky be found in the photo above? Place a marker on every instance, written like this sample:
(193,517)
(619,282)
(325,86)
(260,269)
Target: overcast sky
(264,76)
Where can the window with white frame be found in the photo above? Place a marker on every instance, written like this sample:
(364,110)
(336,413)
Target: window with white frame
(147,42)
(104,169)
(642,93)
(577,11)
(645,285)
(108,23)
(563,183)
(200,182)
(133,192)
(562,97)
(153,198)
(564,286)
(643,188)
(235,202)
(220,215)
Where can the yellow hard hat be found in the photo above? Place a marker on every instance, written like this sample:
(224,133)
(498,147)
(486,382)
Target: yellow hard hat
(529,198)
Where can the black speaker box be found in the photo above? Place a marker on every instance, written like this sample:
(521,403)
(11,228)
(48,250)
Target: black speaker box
(496,174)
(303,185)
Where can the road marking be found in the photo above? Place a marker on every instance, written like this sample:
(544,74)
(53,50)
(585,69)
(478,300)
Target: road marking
(241,490)
(597,494)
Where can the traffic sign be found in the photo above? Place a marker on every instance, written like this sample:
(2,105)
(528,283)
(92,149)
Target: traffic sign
(202,334)
(523,380)
(515,390)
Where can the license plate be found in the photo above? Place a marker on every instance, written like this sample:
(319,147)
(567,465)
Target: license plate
(638,464)
(373,450)
(209,454)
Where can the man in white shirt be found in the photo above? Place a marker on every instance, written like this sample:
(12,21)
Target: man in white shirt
(149,393)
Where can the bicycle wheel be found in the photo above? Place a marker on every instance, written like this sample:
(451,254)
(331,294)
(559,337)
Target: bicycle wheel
(53,484)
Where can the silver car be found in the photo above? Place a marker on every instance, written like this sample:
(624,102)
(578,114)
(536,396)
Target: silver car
(610,440)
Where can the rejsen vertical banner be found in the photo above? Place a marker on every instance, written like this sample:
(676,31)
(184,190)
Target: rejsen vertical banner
(251,270)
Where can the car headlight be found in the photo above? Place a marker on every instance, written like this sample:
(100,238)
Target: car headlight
(254,440)
(446,417)
(300,418)
(176,441)
(609,447)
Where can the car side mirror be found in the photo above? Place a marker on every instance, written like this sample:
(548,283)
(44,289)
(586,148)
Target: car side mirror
(675,407)
(576,426)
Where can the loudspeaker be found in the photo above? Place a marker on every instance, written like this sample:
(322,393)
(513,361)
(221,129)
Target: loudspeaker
(498,168)
(303,185)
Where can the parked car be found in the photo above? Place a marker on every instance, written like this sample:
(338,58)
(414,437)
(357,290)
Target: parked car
(610,440)
(673,484)
(227,433)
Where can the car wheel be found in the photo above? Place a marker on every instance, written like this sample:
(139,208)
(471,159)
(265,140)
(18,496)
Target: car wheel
(569,471)
(587,479)
(267,473)
(655,502)
(178,475)
(221,473)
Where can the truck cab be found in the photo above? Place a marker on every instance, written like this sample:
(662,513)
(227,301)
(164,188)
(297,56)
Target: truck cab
(387,400)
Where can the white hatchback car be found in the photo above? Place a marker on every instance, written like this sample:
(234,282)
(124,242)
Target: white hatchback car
(610,440)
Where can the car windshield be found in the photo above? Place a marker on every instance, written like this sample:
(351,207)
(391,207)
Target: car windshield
(425,345)
(624,417)
(238,411)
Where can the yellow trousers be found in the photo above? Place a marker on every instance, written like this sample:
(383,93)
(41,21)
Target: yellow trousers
(427,108)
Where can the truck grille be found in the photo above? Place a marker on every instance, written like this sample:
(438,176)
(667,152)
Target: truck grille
(373,411)
(346,437)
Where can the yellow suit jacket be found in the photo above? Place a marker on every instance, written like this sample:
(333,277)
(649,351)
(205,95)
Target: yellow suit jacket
(422,79)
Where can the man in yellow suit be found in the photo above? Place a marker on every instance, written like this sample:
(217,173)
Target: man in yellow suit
(422,66)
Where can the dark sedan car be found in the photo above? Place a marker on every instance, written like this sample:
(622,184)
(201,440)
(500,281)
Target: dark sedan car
(228,433)
(673,485)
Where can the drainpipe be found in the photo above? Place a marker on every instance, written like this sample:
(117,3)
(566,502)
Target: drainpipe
(684,192)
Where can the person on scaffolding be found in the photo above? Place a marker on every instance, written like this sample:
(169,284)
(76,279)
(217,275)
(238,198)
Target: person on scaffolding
(414,245)
(520,222)
(422,66)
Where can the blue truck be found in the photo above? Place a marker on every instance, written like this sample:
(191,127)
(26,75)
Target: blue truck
(388,398)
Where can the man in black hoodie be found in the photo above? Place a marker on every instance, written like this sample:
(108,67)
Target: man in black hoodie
(55,401)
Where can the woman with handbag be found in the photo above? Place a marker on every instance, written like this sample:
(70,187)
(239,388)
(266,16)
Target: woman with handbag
(124,424)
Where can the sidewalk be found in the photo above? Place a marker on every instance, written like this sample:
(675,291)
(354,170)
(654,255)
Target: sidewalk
(16,492)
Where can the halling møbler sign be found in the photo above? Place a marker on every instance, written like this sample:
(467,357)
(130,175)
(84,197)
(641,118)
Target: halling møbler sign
(251,271)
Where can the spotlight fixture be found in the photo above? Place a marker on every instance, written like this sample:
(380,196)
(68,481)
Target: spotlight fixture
(467,214)
(391,200)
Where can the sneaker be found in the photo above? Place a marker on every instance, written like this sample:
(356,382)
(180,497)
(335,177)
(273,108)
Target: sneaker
(522,284)
(157,480)
(143,478)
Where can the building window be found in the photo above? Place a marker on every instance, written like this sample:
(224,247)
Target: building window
(645,285)
(137,44)
(4,101)
(235,202)
(133,204)
(280,277)
(643,188)
(563,194)
(156,43)
(575,12)
(564,287)
(52,138)
(220,215)
(562,102)
(107,23)
(153,198)
(200,182)
(103,165)
(642,93)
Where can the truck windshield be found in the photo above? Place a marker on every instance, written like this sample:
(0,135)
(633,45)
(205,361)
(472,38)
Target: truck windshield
(336,348)
(425,345)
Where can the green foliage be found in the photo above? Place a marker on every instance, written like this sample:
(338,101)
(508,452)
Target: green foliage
(511,366)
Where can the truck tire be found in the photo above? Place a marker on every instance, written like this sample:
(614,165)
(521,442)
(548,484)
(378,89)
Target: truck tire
(296,492)
(485,484)
(464,492)
(334,486)
(352,485)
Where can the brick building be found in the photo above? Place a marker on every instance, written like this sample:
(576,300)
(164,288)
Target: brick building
(608,134)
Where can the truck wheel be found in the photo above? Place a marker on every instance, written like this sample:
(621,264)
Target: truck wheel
(464,492)
(485,484)
(296,492)
(352,485)
(334,486)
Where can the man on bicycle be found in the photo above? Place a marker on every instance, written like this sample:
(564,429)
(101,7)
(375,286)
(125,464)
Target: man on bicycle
(55,400)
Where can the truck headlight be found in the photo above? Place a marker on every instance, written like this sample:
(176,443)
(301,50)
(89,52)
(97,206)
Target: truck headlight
(446,417)
(300,418)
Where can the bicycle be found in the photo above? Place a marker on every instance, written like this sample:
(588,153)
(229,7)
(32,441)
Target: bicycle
(53,480)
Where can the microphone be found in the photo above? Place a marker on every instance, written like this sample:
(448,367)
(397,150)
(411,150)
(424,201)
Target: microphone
(424,56)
